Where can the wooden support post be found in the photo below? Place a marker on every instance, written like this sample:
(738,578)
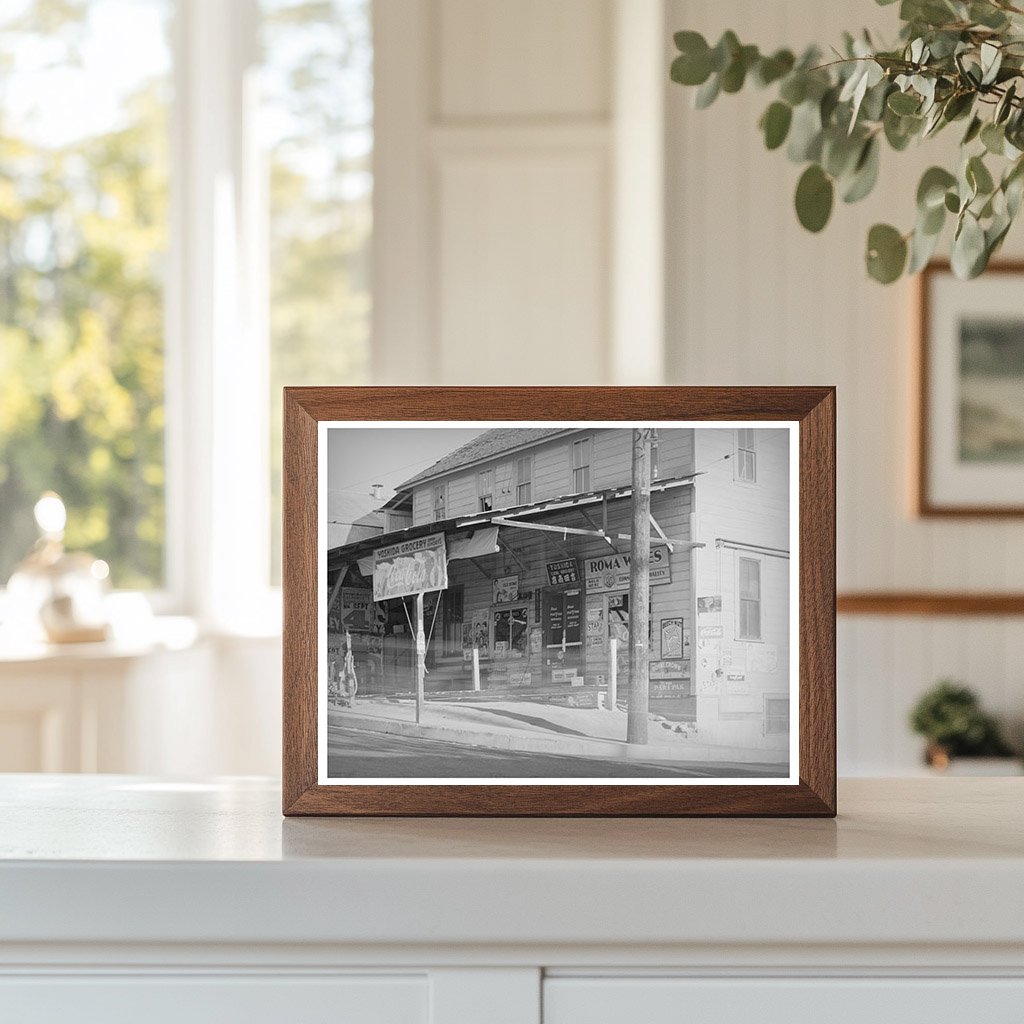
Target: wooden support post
(421,656)
(476,668)
(639,590)
(613,673)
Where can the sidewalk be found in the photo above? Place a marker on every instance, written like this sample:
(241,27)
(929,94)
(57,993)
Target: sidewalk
(540,728)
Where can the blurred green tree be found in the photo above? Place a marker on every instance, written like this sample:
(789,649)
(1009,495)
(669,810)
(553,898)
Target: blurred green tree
(82,233)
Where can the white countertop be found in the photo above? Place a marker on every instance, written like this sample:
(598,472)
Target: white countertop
(120,859)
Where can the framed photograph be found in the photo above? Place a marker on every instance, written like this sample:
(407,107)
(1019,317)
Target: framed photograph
(971,393)
(485,594)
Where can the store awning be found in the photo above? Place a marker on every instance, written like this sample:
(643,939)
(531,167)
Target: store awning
(479,542)
(485,525)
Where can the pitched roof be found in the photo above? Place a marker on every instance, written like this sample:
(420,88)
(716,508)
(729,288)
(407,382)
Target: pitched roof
(485,446)
(352,517)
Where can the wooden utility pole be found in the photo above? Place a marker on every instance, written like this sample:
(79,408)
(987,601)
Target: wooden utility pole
(421,656)
(639,589)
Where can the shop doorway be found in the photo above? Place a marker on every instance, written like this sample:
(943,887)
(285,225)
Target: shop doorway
(562,626)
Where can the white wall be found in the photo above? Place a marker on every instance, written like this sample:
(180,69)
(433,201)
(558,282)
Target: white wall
(519,207)
(506,146)
(754,299)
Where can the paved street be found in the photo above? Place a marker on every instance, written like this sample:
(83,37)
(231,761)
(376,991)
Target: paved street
(356,754)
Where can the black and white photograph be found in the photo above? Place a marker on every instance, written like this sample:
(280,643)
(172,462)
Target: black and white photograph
(558,601)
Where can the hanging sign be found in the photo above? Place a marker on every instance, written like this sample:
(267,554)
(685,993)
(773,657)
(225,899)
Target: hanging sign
(566,571)
(411,567)
(611,572)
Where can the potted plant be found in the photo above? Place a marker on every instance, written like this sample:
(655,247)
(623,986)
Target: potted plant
(956,62)
(950,717)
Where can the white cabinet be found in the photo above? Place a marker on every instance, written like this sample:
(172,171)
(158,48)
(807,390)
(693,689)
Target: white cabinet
(830,1000)
(201,999)
(127,899)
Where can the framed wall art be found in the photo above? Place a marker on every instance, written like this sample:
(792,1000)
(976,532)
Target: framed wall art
(970,445)
(418,680)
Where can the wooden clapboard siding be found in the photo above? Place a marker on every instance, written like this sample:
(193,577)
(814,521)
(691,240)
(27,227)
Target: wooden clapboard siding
(755,514)
(611,466)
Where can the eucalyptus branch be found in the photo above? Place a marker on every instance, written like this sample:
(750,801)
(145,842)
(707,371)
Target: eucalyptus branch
(954,60)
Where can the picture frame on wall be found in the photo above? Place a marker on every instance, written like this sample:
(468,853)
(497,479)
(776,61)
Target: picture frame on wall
(488,598)
(970,422)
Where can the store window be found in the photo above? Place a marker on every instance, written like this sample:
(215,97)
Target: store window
(510,632)
(524,480)
(750,599)
(485,489)
(581,455)
(746,456)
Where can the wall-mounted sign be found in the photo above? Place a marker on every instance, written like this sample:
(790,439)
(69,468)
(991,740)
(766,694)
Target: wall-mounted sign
(672,638)
(709,604)
(354,609)
(566,571)
(709,632)
(676,669)
(506,588)
(411,567)
(611,572)
(663,689)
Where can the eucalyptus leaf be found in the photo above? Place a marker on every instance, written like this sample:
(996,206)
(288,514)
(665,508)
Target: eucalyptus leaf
(931,190)
(805,133)
(794,88)
(814,196)
(865,173)
(922,248)
(968,247)
(991,60)
(978,176)
(771,69)
(973,130)
(707,93)
(987,15)
(775,124)
(886,253)
(1005,105)
(903,103)
(993,138)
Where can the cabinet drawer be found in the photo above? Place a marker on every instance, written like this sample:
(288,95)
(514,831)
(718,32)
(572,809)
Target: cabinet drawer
(202,999)
(652,1000)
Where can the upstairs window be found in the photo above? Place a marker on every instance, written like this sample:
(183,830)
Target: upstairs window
(750,598)
(581,455)
(440,502)
(524,480)
(746,456)
(485,489)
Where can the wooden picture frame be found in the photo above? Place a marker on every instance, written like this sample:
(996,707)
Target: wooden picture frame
(955,466)
(710,415)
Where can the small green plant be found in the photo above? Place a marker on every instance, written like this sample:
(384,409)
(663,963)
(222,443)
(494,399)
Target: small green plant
(956,61)
(950,717)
